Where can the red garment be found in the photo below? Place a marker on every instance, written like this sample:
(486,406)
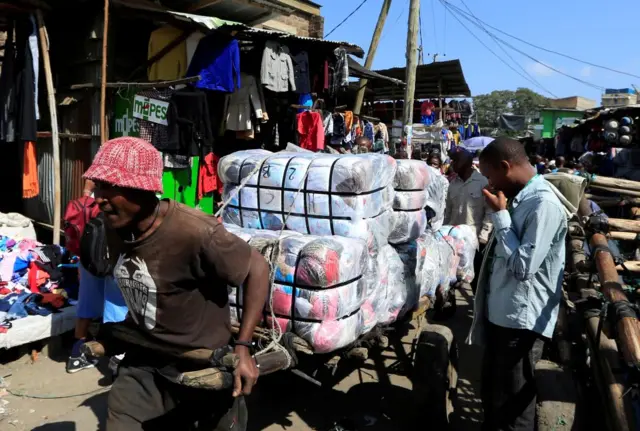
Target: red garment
(426,107)
(208,180)
(37,277)
(55,300)
(310,131)
(326,75)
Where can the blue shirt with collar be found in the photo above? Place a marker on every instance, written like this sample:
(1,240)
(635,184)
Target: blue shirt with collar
(520,283)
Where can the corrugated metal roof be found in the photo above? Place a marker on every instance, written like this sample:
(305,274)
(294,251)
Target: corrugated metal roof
(359,71)
(428,77)
(237,29)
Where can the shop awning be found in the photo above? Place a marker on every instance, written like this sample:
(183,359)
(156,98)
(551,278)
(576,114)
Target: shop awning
(359,71)
(443,78)
(237,29)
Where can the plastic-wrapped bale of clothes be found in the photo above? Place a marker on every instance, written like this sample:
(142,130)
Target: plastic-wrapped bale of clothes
(317,193)
(387,289)
(465,242)
(430,259)
(318,286)
(410,184)
(436,198)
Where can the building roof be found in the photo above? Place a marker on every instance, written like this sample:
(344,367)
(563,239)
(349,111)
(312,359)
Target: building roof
(238,30)
(442,78)
(359,71)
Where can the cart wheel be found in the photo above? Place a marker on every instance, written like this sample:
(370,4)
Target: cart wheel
(435,375)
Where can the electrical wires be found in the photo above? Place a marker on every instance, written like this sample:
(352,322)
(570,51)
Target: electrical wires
(345,20)
(542,48)
(445,4)
(458,13)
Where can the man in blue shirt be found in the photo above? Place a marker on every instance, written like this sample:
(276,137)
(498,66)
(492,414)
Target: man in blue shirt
(520,283)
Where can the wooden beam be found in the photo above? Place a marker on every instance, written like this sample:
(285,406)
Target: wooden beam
(55,140)
(103,76)
(203,4)
(151,84)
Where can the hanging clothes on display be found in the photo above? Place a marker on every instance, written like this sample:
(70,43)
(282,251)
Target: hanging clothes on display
(30,185)
(8,102)
(192,44)
(25,82)
(277,72)
(208,180)
(189,123)
(301,72)
(173,65)
(217,61)
(310,131)
(340,71)
(239,105)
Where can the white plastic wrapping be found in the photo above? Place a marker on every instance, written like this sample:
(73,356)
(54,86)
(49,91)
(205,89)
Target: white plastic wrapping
(318,288)
(465,242)
(437,197)
(430,258)
(344,195)
(409,217)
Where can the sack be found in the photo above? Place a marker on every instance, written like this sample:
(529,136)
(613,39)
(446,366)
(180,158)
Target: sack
(94,253)
(76,216)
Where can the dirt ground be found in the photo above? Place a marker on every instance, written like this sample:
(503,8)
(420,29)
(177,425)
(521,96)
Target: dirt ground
(377,396)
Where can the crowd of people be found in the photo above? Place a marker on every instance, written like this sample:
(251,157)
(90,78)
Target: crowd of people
(169,267)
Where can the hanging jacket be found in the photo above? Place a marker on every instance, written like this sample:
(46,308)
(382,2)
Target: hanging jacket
(276,72)
(8,90)
(239,104)
(301,72)
(217,61)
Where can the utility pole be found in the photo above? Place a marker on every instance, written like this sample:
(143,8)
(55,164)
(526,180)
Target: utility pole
(412,63)
(368,63)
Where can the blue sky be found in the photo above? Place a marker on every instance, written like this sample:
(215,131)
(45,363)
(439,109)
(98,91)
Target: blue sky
(600,32)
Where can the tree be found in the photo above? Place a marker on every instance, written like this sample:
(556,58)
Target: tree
(523,101)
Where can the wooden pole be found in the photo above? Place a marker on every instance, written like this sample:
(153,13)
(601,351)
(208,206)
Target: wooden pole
(627,328)
(368,63)
(412,64)
(624,225)
(103,75)
(55,139)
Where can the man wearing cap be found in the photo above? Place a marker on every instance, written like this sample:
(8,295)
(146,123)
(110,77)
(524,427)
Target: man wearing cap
(173,264)
(465,202)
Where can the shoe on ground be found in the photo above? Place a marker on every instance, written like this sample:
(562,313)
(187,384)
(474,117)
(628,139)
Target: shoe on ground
(79,363)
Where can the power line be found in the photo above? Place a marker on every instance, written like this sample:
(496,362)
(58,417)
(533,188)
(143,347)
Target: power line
(549,50)
(466,16)
(384,34)
(538,84)
(345,20)
(487,46)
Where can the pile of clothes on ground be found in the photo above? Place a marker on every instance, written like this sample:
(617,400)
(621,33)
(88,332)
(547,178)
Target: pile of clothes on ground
(35,280)
(353,240)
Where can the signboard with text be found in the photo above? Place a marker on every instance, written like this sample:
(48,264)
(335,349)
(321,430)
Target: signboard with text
(149,109)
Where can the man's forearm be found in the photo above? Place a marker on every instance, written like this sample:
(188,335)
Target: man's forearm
(256,288)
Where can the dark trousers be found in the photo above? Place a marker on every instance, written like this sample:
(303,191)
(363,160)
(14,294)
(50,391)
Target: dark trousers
(477,263)
(141,399)
(508,382)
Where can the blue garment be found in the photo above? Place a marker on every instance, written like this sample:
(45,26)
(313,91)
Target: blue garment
(100,298)
(305,99)
(217,61)
(525,265)
(368,131)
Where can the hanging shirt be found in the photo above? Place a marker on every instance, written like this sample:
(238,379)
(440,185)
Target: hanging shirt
(276,72)
(173,65)
(217,61)
(310,131)
(192,44)
(301,72)
(242,103)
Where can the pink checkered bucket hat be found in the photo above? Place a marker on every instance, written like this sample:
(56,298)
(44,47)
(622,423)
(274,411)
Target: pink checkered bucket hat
(128,162)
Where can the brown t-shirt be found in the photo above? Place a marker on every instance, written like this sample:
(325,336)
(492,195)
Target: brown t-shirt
(175,280)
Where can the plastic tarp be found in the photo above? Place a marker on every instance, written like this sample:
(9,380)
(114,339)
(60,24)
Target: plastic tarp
(410,184)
